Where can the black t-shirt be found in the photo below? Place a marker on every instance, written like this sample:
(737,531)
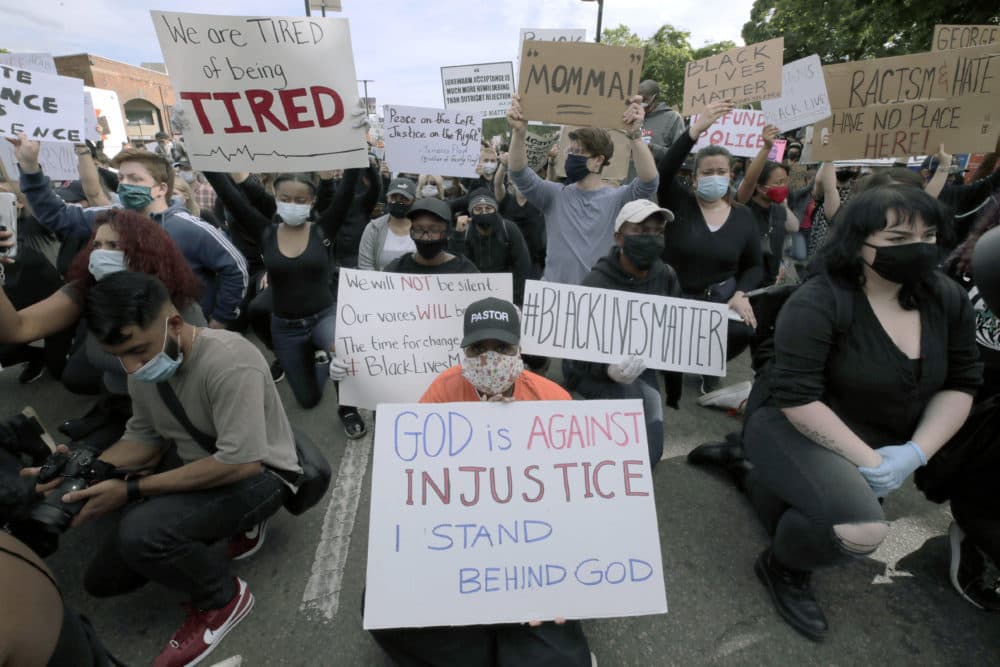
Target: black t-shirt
(301,285)
(406,264)
(531,221)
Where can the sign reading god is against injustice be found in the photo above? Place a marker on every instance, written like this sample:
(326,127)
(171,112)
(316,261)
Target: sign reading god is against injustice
(262,93)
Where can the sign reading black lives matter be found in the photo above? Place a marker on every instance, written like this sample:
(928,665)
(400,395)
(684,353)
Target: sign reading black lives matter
(606,326)
(264,93)
(486,89)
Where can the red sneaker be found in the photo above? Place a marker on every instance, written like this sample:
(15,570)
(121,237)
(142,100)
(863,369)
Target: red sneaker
(202,631)
(247,544)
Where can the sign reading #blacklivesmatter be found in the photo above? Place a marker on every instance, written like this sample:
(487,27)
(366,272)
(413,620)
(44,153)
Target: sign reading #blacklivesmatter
(399,331)
(489,512)
(948,37)
(745,74)
(606,326)
(578,83)
(264,93)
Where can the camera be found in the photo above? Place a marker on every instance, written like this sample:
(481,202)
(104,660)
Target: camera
(78,470)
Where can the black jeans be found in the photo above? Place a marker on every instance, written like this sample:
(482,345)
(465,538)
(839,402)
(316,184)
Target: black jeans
(168,539)
(801,490)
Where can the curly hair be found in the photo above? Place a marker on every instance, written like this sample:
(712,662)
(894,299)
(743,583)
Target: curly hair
(147,249)
(960,261)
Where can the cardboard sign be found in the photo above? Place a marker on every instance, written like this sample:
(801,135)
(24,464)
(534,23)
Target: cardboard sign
(948,37)
(745,74)
(110,122)
(578,83)
(432,141)
(488,513)
(803,98)
(591,324)
(264,93)
(538,141)
(400,331)
(57,159)
(616,171)
(740,132)
(43,106)
(484,89)
(36,62)
(551,35)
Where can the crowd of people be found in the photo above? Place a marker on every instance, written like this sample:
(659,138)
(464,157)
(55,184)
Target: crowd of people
(872,343)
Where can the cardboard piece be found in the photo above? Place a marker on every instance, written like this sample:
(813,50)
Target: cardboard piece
(36,62)
(948,37)
(803,100)
(43,106)
(487,513)
(484,89)
(432,141)
(264,93)
(745,74)
(578,83)
(400,331)
(616,171)
(605,326)
(57,159)
(538,141)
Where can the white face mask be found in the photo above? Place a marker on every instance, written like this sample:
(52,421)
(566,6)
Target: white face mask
(188,176)
(105,262)
(492,373)
(293,215)
(429,191)
(489,168)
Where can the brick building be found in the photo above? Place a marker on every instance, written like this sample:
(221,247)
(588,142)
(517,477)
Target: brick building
(145,94)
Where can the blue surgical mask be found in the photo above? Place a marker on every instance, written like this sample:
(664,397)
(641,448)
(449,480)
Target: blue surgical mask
(163,366)
(105,262)
(293,214)
(135,197)
(713,188)
(576,168)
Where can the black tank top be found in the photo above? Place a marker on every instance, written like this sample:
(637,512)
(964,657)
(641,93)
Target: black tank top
(301,285)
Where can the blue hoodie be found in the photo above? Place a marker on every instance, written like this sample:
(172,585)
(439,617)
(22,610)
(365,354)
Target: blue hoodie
(216,262)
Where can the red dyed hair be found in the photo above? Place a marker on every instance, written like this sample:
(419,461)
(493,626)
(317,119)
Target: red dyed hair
(147,249)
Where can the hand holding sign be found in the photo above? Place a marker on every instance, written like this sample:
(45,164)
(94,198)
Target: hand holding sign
(634,114)
(713,112)
(516,119)
(769,135)
(26,152)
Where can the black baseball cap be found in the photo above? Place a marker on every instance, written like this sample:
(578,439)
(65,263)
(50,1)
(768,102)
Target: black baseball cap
(403,186)
(491,319)
(432,205)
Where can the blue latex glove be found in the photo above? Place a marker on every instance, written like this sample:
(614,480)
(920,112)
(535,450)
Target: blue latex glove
(898,463)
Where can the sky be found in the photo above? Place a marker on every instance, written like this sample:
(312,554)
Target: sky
(401,45)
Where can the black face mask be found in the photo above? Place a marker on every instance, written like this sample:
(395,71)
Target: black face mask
(485,221)
(905,264)
(429,249)
(643,249)
(399,209)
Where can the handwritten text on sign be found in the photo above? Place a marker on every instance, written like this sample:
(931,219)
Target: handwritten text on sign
(740,132)
(744,74)
(948,37)
(538,141)
(504,513)
(57,159)
(432,141)
(578,83)
(485,89)
(803,98)
(264,93)
(591,324)
(43,106)
(399,330)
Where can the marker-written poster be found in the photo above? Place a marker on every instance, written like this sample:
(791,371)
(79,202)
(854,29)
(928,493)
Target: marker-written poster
(264,93)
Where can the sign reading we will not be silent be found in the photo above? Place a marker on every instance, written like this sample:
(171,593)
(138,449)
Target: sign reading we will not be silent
(745,74)
(578,83)
(510,512)
(400,331)
(264,93)
(443,142)
(43,106)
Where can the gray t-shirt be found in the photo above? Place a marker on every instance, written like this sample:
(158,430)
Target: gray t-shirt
(227,392)
(579,224)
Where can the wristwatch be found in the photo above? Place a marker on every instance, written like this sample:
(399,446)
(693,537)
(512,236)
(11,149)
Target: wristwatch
(132,489)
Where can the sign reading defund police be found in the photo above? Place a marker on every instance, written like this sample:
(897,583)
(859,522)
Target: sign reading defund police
(600,325)
(511,512)
(399,330)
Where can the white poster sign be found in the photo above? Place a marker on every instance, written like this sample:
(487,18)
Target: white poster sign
(110,122)
(43,106)
(740,132)
(600,325)
(57,159)
(803,100)
(443,142)
(264,93)
(551,35)
(400,331)
(504,513)
(36,62)
(485,89)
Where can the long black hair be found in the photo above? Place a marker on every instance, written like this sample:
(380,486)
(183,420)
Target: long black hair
(865,215)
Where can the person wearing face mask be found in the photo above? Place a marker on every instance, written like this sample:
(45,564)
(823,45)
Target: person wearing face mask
(514,206)
(429,229)
(147,186)
(388,237)
(486,168)
(429,185)
(633,265)
(661,126)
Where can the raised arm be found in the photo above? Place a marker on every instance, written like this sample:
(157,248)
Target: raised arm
(333,217)
(64,221)
(90,178)
(672,162)
(940,178)
(749,184)
(244,214)
(499,188)
(48,316)
(371,195)
(642,157)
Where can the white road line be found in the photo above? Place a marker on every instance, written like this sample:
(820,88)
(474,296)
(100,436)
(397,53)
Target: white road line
(322,593)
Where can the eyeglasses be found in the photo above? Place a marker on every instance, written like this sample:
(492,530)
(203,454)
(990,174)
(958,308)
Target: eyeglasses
(484,346)
(422,233)
(483,208)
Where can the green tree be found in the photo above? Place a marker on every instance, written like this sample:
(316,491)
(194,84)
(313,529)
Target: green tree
(842,30)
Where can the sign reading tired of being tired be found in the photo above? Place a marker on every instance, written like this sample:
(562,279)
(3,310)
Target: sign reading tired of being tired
(578,83)
(511,512)
(745,74)
(264,93)
(45,107)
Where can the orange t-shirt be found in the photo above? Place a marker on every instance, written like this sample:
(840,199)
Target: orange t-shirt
(451,387)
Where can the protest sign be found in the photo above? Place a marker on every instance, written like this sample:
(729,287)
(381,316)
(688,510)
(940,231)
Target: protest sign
(110,122)
(264,93)
(57,159)
(551,35)
(485,89)
(600,325)
(43,106)
(489,513)
(803,98)
(36,62)
(616,171)
(538,141)
(745,74)
(739,131)
(777,153)
(399,331)
(432,141)
(947,37)
(578,82)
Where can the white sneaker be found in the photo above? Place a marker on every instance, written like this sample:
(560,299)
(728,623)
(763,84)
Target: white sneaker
(733,397)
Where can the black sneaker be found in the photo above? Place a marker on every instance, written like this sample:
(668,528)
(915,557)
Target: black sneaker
(277,372)
(792,596)
(24,434)
(971,572)
(354,425)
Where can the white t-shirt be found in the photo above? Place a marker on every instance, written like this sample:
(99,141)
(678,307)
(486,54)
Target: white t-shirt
(395,246)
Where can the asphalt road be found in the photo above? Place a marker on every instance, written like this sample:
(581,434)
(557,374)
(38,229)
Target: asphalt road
(894,608)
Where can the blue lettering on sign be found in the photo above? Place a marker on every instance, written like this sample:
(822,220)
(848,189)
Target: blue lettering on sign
(591,572)
(433,435)
(509,578)
(471,535)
